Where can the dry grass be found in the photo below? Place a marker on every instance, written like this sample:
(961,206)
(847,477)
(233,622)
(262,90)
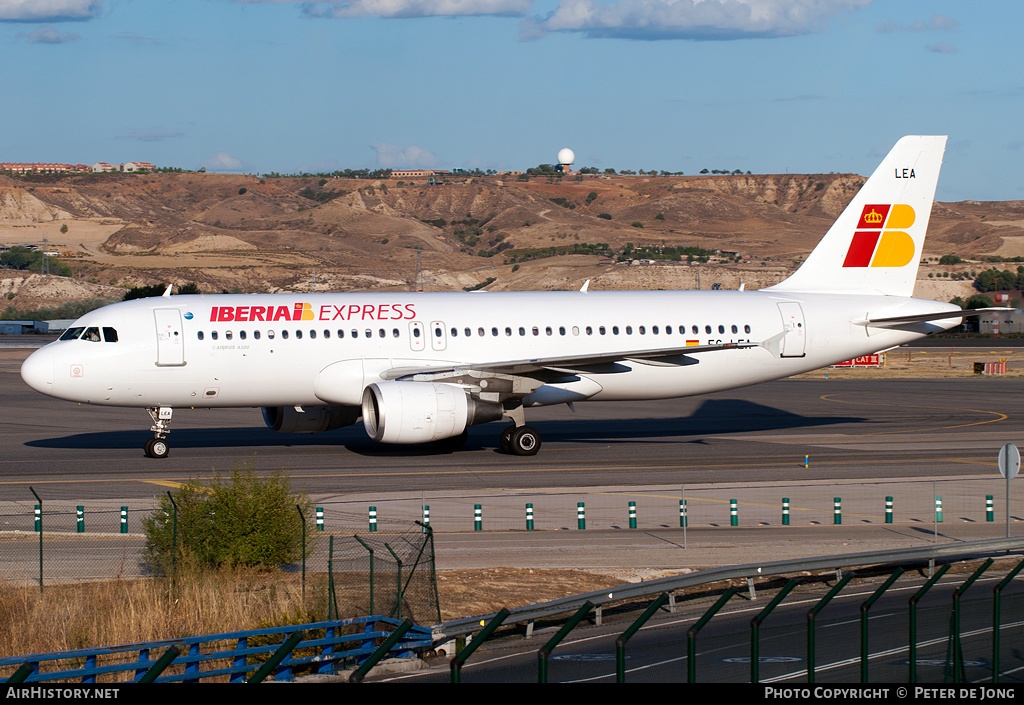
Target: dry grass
(77,616)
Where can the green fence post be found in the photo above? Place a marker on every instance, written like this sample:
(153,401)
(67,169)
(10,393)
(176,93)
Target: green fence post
(581,516)
(691,634)
(124,520)
(545,651)
(426,516)
(162,663)
(837,510)
(938,509)
(456,663)
(478,517)
(632,515)
(382,650)
(989,513)
(373,518)
(734,519)
(918,596)
(997,593)
(620,642)
(888,510)
(38,524)
(80,519)
(372,567)
(39,530)
(278,656)
(319,518)
(959,671)
(683,522)
(865,606)
(529,516)
(812,615)
(755,631)
(785,511)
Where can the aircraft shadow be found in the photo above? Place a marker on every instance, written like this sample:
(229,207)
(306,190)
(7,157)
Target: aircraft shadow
(713,417)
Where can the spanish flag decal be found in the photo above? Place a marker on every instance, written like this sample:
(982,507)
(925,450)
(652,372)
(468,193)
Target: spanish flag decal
(880,239)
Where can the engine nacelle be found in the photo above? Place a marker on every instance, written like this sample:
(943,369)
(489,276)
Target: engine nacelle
(309,419)
(420,412)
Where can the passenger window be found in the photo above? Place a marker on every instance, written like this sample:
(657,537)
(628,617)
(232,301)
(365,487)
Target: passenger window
(312,334)
(284,334)
(536,330)
(643,330)
(71,334)
(341,333)
(561,330)
(213,335)
(394,332)
(601,330)
(437,332)
(746,329)
(590,330)
(735,329)
(695,330)
(355,333)
(575,330)
(494,332)
(381,333)
(298,335)
(707,329)
(455,332)
(369,333)
(721,329)
(522,331)
(256,334)
(241,334)
(227,335)
(198,335)
(468,332)
(327,332)
(615,330)
(415,332)
(654,329)
(270,334)
(548,330)
(480,332)
(508,331)
(110,335)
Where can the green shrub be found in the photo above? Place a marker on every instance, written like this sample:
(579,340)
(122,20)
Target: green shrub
(246,520)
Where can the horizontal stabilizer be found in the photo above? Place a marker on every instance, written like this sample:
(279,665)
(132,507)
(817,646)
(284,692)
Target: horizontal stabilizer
(934,316)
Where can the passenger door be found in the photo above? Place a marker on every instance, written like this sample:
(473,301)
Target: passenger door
(170,339)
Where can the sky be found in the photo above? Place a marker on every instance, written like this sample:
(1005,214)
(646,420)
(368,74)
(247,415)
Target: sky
(767,86)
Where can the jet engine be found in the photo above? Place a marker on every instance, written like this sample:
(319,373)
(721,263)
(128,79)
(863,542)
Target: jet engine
(309,419)
(420,412)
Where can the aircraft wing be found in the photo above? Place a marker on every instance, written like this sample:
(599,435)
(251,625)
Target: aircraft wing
(675,356)
(935,316)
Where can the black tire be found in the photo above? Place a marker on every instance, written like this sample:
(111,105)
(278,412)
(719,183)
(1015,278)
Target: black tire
(506,439)
(525,440)
(157,448)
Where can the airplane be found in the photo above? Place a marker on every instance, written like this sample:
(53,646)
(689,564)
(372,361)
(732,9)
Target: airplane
(424,367)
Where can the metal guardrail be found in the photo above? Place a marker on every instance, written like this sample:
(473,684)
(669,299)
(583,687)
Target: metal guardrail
(651,588)
(202,657)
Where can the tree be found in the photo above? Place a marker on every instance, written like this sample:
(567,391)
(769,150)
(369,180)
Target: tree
(246,520)
(950,259)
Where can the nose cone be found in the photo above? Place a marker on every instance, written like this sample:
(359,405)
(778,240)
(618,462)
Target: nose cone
(37,371)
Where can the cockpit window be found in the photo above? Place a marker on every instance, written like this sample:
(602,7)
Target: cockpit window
(92,334)
(110,335)
(71,334)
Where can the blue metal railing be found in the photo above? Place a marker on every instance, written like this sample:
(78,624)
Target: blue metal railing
(325,646)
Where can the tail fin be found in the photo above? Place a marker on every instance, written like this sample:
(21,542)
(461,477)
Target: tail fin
(875,245)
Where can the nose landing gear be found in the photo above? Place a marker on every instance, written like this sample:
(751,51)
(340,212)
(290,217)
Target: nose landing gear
(157,447)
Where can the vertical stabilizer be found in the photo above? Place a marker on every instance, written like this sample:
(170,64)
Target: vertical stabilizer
(876,244)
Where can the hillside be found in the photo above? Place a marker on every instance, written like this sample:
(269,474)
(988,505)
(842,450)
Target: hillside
(244,233)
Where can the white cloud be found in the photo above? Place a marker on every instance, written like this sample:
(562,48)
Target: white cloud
(390,156)
(407,8)
(690,19)
(48,35)
(222,162)
(48,10)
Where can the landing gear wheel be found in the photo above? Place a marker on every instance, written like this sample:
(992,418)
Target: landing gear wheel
(525,440)
(157,448)
(506,439)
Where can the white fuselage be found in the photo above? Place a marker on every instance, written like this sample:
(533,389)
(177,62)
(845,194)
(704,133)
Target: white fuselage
(272,349)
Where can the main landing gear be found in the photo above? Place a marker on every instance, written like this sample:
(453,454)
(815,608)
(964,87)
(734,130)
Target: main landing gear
(157,447)
(519,439)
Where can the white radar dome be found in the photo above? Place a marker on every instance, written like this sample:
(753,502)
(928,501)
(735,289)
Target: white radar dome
(566,156)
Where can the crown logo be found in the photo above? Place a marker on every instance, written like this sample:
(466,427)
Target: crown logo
(874,217)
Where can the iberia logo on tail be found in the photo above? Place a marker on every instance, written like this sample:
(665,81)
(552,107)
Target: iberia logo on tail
(880,240)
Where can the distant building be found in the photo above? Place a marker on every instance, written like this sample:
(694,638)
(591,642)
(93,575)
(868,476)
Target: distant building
(101,167)
(23,327)
(406,173)
(137,166)
(36,168)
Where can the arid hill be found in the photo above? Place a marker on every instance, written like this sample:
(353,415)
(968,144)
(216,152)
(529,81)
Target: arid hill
(245,233)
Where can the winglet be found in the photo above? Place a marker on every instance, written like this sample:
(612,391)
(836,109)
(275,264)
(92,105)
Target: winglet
(167,291)
(585,287)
